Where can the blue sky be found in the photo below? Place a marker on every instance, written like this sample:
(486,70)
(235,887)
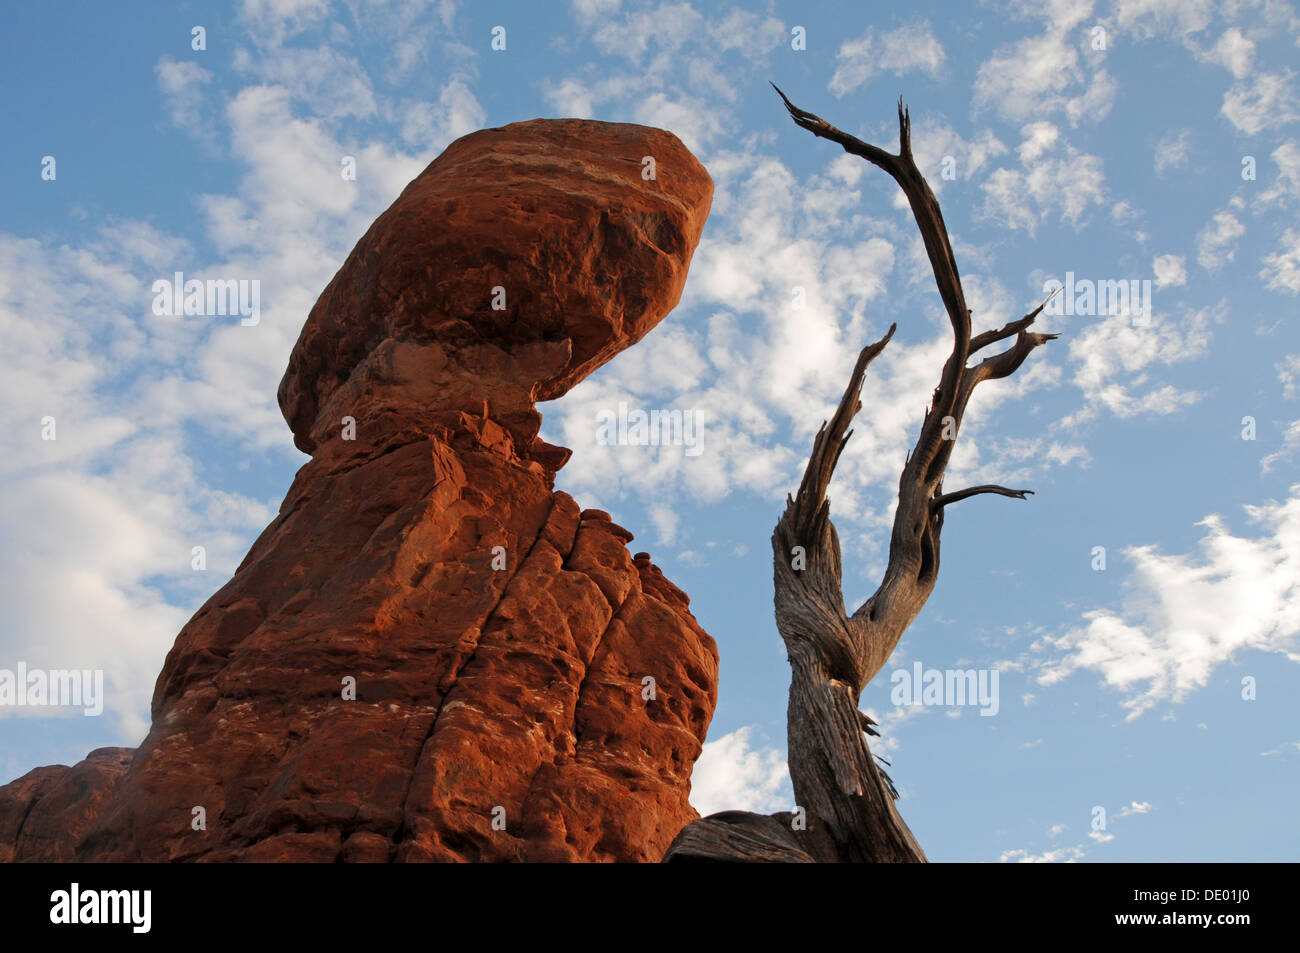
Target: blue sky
(1115,141)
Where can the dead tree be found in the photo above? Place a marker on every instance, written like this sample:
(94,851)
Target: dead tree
(846,803)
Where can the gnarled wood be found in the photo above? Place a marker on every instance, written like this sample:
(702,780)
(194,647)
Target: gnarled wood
(846,809)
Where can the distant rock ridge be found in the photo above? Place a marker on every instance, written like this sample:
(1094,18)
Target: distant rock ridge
(525,688)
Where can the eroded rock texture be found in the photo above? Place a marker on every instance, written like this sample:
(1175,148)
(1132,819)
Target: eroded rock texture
(499,635)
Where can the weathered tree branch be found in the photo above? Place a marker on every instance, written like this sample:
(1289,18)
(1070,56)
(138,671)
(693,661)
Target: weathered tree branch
(846,808)
(945,498)
(1014,327)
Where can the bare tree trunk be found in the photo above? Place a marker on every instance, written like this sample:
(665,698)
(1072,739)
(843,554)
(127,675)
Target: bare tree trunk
(846,808)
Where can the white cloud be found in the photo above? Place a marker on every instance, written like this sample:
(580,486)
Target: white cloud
(182,85)
(407,31)
(1059,855)
(1281,271)
(1038,76)
(590,10)
(1148,18)
(1184,616)
(1170,270)
(1069,855)
(909,48)
(1136,807)
(690,119)
(1234,52)
(1039,137)
(432,127)
(1122,212)
(102,519)
(1053,180)
(1286,187)
(1279,750)
(1216,243)
(680,65)
(933,141)
(666,27)
(666,523)
(81,548)
(1113,361)
(1173,151)
(752,34)
(1290,445)
(734,775)
(573,97)
(1288,372)
(1267,101)
(334,83)
(274,21)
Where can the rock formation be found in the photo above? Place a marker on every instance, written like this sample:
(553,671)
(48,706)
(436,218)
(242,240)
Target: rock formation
(499,638)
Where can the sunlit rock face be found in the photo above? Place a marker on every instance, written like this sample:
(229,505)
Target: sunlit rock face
(431,655)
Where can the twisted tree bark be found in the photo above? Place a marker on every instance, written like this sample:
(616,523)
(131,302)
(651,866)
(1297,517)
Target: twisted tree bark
(846,808)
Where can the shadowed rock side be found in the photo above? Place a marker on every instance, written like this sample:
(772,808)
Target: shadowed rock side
(482,692)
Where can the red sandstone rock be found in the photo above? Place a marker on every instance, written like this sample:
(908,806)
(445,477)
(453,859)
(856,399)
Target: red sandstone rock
(500,638)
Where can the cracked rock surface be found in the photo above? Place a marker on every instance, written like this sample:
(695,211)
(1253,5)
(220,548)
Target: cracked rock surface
(498,636)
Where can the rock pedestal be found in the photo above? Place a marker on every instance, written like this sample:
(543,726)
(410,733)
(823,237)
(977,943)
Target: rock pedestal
(431,655)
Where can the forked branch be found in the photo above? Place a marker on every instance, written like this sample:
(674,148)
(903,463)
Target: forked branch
(847,802)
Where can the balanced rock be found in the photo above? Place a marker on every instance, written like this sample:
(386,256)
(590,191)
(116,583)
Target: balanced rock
(430,654)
